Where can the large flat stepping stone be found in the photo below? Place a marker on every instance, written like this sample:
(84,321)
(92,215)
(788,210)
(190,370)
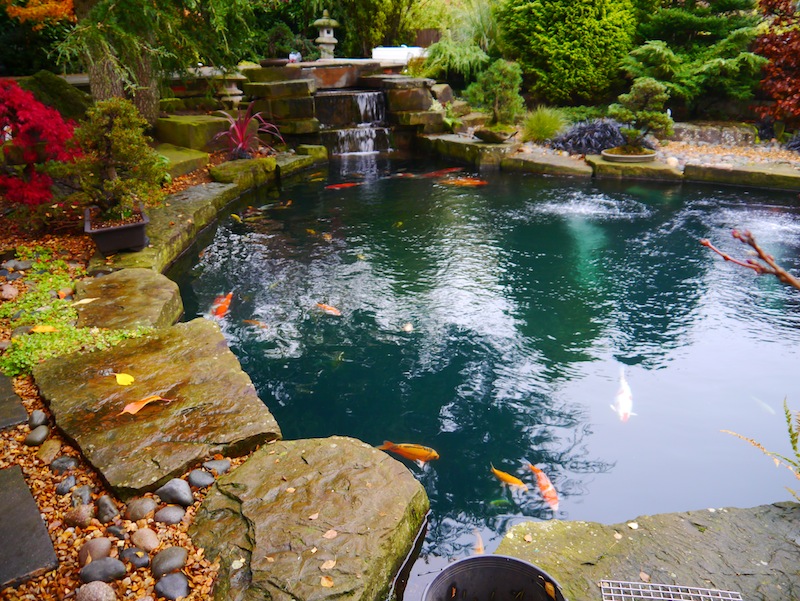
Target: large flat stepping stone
(213,406)
(12,412)
(27,550)
(129,298)
(308,520)
(751,551)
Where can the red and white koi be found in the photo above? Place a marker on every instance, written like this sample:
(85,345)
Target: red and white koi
(623,402)
(546,487)
(221,305)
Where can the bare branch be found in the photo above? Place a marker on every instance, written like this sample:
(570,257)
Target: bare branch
(767,264)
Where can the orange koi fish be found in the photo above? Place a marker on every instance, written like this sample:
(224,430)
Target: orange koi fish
(221,305)
(546,487)
(507,478)
(479,548)
(442,172)
(329,309)
(255,322)
(414,452)
(343,186)
(465,182)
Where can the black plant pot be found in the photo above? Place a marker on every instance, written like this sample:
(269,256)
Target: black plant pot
(109,240)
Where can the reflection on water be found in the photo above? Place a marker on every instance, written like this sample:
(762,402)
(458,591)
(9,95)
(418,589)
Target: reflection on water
(525,297)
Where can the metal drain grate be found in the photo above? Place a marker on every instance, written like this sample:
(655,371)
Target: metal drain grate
(615,590)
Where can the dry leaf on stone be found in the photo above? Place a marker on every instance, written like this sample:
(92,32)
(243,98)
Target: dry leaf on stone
(326,581)
(237,564)
(43,329)
(330,534)
(124,379)
(328,565)
(617,536)
(645,577)
(136,406)
(633,525)
(84,301)
(313,516)
(528,538)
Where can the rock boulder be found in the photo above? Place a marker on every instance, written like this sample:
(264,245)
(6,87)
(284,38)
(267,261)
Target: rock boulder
(311,519)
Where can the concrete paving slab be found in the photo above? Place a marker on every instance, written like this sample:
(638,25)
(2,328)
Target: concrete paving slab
(11,410)
(27,550)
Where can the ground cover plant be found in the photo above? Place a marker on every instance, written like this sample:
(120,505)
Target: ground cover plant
(590,137)
(542,124)
(48,313)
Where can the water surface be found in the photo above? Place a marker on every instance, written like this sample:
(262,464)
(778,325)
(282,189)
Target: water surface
(525,298)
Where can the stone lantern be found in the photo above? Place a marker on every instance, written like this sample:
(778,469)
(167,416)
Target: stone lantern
(326,41)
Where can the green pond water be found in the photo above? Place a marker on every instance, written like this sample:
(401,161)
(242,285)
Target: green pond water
(491,323)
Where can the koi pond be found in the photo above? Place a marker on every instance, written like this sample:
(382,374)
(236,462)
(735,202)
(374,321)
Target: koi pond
(488,316)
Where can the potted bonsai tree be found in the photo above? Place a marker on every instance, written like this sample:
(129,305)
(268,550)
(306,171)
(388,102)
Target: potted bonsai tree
(642,110)
(118,175)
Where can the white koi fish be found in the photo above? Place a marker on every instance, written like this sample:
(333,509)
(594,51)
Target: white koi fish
(623,402)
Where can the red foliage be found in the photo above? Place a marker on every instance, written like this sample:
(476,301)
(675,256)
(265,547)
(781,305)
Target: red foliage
(781,45)
(33,133)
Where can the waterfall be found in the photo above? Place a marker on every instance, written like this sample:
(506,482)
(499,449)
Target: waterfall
(353,121)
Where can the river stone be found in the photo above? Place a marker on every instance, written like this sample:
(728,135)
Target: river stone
(145,538)
(106,509)
(106,569)
(129,298)
(82,495)
(220,466)
(752,551)
(171,514)
(63,464)
(200,478)
(369,510)
(173,586)
(168,560)
(37,418)
(117,531)
(37,436)
(213,409)
(94,549)
(139,508)
(48,451)
(96,591)
(80,516)
(138,558)
(176,491)
(66,485)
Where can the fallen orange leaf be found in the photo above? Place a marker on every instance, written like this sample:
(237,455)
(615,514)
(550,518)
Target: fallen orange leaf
(326,581)
(136,406)
(330,534)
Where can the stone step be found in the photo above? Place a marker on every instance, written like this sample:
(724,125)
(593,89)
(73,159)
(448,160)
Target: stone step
(191,131)
(182,160)
(12,412)
(31,553)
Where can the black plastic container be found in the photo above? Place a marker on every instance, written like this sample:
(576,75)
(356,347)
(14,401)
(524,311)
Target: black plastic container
(492,578)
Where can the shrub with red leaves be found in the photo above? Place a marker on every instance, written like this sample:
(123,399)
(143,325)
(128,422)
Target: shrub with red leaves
(781,45)
(32,134)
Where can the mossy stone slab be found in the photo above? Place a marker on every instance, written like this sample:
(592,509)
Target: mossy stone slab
(245,173)
(191,131)
(274,74)
(182,160)
(55,91)
(280,89)
(430,122)
(12,412)
(127,299)
(213,406)
(408,99)
(468,150)
(173,227)
(316,151)
(279,109)
(655,170)
(759,175)
(289,164)
(394,82)
(290,127)
(546,165)
(751,551)
(275,521)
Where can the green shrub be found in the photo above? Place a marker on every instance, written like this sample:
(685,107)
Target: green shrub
(449,57)
(570,50)
(643,110)
(575,114)
(543,123)
(497,90)
(118,169)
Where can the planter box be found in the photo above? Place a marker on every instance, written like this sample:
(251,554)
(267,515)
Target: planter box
(628,158)
(109,240)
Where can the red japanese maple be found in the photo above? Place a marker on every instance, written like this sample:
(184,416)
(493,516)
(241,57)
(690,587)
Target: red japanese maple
(781,45)
(31,134)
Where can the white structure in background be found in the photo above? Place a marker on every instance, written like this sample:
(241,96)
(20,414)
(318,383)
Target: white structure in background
(397,54)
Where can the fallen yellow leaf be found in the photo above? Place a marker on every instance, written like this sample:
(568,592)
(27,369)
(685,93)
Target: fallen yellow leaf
(328,565)
(136,406)
(42,329)
(330,534)
(124,379)
(326,581)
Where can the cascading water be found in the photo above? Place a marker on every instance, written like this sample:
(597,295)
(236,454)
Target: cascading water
(353,121)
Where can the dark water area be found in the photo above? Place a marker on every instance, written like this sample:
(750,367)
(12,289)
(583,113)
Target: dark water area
(491,323)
